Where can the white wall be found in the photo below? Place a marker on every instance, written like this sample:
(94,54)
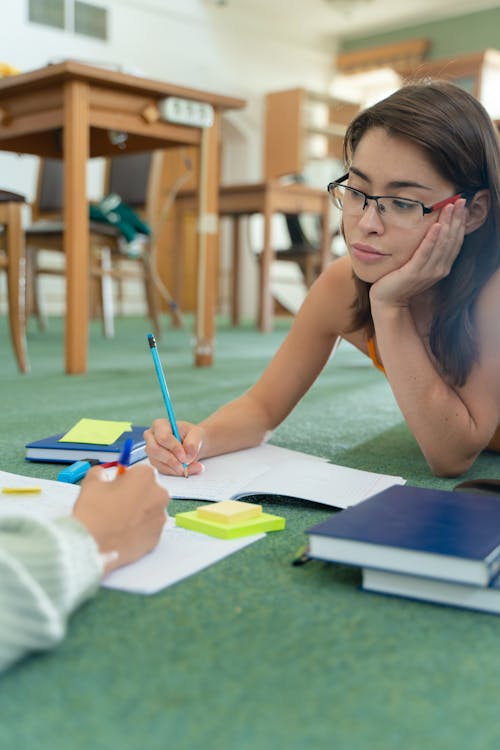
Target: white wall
(222,48)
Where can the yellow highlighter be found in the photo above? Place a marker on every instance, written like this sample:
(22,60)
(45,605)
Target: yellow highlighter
(21,490)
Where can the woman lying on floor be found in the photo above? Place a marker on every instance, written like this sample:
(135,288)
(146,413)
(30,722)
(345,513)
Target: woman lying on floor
(418,292)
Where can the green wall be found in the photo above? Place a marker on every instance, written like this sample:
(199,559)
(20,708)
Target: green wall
(462,35)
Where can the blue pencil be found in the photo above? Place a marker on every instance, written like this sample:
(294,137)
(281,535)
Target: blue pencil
(164,392)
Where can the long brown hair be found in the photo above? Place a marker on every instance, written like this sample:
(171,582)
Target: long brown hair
(460,141)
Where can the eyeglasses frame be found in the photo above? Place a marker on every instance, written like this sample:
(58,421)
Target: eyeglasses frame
(376,198)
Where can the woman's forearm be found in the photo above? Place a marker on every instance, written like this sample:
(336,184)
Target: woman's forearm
(438,417)
(242,423)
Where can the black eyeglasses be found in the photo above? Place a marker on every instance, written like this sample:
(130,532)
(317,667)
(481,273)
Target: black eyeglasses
(398,211)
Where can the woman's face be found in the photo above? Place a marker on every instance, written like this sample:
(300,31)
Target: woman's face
(384,164)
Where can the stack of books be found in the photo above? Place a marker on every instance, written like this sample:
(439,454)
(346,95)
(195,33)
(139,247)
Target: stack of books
(434,545)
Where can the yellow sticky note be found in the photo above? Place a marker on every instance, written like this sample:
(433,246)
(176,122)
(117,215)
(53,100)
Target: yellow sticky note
(96,432)
(229,511)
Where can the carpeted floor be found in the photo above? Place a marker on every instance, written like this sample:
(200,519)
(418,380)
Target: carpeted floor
(252,653)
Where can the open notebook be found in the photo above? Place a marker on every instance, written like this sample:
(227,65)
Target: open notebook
(271,470)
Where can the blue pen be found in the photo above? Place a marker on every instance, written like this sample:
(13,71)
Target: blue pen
(164,392)
(124,460)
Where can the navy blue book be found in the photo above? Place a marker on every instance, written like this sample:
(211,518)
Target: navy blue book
(483,598)
(52,451)
(452,536)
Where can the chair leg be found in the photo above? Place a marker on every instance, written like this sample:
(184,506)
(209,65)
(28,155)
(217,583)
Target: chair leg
(120,295)
(38,308)
(34,305)
(95,296)
(308,269)
(151,297)
(154,287)
(16,281)
(108,320)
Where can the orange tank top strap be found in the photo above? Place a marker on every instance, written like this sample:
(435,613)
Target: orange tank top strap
(373,355)
(494,444)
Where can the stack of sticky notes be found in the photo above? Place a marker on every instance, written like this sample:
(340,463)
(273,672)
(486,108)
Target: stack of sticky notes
(230,519)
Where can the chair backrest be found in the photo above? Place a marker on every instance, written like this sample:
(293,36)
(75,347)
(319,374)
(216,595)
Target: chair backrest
(129,177)
(134,177)
(302,233)
(297,236)
(49,197)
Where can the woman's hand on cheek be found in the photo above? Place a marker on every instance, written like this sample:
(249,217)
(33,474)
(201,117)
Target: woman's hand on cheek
(431,261)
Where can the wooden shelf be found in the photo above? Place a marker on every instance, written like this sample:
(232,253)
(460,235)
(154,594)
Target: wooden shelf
(468,71)
(400,56)
(295,117)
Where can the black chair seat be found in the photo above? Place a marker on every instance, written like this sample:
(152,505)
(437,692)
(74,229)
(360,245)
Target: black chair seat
(6,196)
(56,228)
(300,249)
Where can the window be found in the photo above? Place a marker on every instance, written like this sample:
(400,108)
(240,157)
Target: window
(71,15)
(47,12)
(91,20)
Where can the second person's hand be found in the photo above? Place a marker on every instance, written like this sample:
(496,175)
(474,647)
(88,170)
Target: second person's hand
(126,515)
(167,454)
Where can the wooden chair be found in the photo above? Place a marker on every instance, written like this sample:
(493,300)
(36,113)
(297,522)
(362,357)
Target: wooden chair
(135,178)
(12,260)
(304,252)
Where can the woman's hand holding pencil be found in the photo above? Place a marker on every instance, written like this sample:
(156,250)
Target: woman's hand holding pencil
(170,455)
(165,434)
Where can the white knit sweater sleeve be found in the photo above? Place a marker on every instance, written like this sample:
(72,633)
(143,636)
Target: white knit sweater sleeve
(47,569)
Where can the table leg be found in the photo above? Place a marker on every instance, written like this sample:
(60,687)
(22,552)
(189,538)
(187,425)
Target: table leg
(14,240)
(326,240)
(76,226)
(178,257)
(265,296)
(236,271)
(208,246)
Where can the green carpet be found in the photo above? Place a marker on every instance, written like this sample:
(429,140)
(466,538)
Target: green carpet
(252,653)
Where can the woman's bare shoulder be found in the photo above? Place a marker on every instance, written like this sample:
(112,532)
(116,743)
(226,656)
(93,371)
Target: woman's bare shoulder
(340,268)
(338,277)
(334,292)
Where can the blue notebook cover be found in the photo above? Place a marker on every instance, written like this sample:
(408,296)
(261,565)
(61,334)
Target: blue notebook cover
(51,450)
(436,533)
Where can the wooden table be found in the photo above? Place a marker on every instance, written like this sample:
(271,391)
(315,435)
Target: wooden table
(266,198)
(70,110)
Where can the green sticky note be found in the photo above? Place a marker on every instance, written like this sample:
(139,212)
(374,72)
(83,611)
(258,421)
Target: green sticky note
(96,432)
(263,523)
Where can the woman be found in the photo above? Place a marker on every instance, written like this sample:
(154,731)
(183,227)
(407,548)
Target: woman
(419,290)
